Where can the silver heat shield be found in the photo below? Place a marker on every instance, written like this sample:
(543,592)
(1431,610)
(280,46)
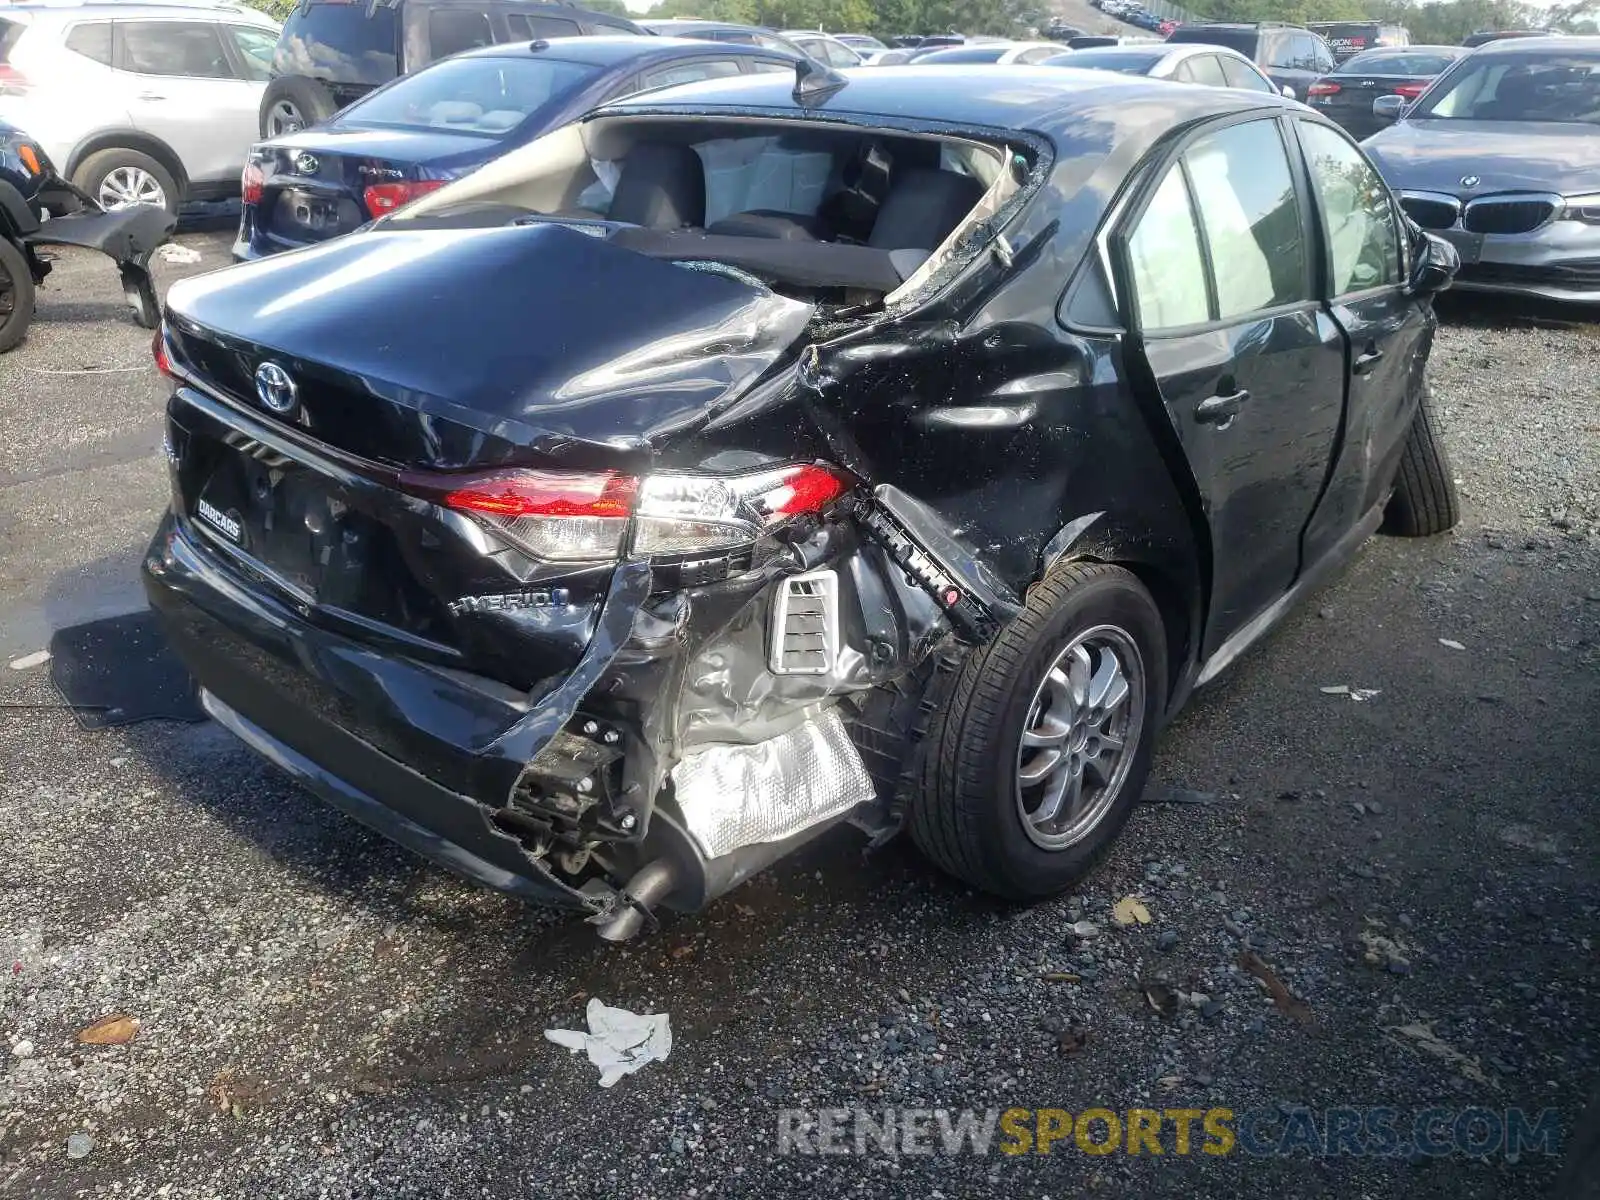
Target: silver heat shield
(734,796)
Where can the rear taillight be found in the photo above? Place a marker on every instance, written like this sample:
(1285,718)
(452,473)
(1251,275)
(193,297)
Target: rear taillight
(1323,88)
(384,198)
(567,516)
(158,350)
(1411,90)
(12,81)
(252,184)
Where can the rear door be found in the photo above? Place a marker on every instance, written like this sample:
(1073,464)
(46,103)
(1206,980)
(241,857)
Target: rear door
(186,90)
(1362,269)
(1247,364)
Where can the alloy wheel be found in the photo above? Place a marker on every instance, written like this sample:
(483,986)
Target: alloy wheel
(124,186)
(1081,737)
(284,117)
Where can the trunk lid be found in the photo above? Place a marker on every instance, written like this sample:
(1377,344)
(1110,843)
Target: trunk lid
(316,184)
(398,367)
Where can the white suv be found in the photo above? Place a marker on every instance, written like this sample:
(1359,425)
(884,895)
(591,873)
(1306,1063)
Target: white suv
(138,103)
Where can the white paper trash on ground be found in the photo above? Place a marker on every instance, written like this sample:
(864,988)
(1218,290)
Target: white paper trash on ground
(172,252)
(619,1042)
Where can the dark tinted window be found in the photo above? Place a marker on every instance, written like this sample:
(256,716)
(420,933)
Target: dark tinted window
(10,35)
(1241,75)
(1402,62)
(92,41)
(1207,70)
(452,30)
(1547,86)
(532,25)
(739,37)
(1242,40)
(189,48)
(340,43)
(488,96)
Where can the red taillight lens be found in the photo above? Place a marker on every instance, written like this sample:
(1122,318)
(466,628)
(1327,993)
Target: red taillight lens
(1323,88)
(384,198)
(158,349)
(252,184)
(585,516)
(546,494)
(12,81)
(1411,90)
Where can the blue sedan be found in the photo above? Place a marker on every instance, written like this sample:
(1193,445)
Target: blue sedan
(423,130)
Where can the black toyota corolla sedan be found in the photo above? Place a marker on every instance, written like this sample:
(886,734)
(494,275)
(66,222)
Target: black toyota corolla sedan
(836,464)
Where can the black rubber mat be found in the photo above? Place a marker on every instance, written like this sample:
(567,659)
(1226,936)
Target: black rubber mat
(120,670)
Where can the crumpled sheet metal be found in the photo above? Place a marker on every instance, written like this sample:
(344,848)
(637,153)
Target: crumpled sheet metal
(733,796)
(619,1042)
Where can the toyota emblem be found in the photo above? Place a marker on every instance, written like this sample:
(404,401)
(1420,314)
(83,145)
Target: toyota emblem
(1470,181)
(306,164)
(275,388)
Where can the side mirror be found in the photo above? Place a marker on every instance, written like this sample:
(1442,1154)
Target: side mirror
(1288,91)
(1434,264)
(1389,108)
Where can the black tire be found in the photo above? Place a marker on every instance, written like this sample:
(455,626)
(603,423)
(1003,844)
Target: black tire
(102,164)
(308,99)
(16,295)
(1424,501)
(966,813)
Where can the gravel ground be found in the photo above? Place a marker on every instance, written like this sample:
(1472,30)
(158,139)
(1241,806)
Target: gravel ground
(320,1014)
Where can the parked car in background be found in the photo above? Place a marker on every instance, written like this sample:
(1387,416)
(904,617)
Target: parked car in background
(999,53)
(1209,66)
(138,103)
(1059,31)
(1484,36)
(419,132)
(38,208)
(1346,95)
(1502,157)
(1291,56)
(720,31)
(333,52)
(861,43)
(1348,38)
(825,48)
(523,536)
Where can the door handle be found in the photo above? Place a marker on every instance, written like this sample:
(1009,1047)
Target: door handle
(1220,410)
(1366,362)
(151,96)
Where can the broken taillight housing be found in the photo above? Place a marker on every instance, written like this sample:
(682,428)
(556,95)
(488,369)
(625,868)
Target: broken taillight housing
(158,350)
(252,184)
(384,198)
(585,516)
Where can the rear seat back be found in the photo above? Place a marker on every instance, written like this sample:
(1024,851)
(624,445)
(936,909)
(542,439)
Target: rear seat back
(660,186)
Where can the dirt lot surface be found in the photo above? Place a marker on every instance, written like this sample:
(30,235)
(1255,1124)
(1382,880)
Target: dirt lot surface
(320,1014)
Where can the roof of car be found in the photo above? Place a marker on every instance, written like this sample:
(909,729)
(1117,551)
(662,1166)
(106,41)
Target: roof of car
(1021,97)
(1522,45)
(615,48)
(127,11)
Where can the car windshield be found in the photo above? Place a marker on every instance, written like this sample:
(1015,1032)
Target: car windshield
(1518,87)
(486,96)
(1129,62)
(1390,62)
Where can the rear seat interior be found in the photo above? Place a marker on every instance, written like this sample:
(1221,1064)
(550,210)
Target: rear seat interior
(662,186)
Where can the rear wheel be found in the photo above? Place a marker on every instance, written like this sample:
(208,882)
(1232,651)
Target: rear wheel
(117,178)
(1424,501)
(1044,747)
(294,102)
(16,295)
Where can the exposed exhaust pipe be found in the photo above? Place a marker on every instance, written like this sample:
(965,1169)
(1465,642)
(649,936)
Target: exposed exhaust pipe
(650,884)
